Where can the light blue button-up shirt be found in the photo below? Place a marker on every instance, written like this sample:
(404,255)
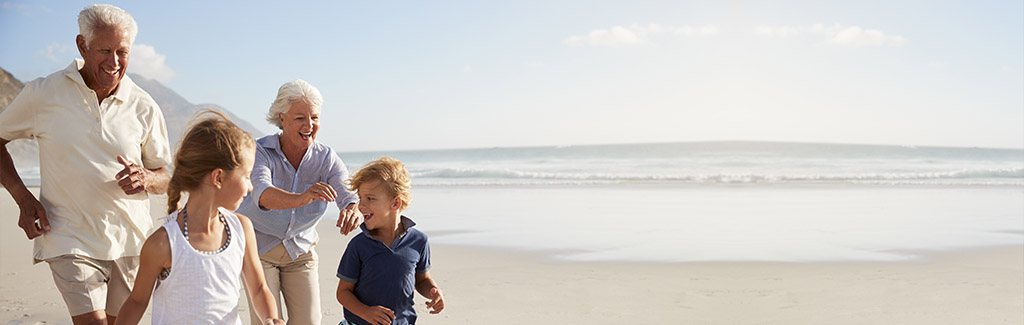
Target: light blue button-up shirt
(296,228)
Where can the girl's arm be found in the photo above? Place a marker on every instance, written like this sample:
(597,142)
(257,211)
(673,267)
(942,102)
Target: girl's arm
(426,287)
(156,257)
(252,273)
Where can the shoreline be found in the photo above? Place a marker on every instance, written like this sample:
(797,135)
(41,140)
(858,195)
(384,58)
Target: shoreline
(507,286)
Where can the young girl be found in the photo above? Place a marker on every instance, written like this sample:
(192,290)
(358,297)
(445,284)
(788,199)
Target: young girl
(195,258)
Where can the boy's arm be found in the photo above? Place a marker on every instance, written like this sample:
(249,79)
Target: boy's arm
(374,315)
(426,287)
(252,274)
(155,257)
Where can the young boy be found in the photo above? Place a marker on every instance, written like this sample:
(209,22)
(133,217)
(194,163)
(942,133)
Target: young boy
(384,264)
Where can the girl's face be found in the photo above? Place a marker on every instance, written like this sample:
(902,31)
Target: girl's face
(235,184)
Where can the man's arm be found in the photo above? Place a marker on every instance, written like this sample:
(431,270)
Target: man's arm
(31,209)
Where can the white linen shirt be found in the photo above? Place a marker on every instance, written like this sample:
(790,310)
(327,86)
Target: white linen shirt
(79,141)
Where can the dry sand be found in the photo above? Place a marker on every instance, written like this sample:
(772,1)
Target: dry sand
(492,286)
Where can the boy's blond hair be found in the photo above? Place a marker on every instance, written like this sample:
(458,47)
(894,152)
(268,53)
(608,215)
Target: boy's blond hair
(391,173)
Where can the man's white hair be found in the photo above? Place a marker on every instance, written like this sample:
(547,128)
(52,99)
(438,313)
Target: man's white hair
(96,16)
(290,93)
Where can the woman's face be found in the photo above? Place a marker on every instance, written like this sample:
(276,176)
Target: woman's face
(299,125)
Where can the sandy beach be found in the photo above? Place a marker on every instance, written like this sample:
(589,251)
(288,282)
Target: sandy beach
(492,286)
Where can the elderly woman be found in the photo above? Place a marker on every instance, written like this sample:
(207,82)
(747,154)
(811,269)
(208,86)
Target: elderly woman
(294,177)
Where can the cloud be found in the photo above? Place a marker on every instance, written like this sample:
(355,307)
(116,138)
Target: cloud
(636,35)
(836,34)
(60,53)
(21,8)
(857,36)
(146,62)
(615,36)
(777,31)
(695,31)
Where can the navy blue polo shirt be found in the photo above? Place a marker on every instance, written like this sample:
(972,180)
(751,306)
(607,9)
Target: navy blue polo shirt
(386,276)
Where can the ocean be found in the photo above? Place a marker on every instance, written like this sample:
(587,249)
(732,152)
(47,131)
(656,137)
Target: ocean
(717,201)
(714,201)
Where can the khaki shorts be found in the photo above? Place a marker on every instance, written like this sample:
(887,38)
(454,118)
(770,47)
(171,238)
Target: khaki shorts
(89,284)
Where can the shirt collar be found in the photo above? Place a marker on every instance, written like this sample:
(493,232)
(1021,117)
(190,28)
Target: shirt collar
(273,142)
(124,87)
(408,223)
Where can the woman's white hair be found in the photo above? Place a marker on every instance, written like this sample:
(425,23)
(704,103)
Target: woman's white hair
(95,16)
(290,93)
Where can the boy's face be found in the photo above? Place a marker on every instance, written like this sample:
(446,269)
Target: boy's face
(379,208)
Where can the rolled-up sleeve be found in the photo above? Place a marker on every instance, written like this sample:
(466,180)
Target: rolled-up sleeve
(18,120)
(261,177)
(337,175)
(156,151)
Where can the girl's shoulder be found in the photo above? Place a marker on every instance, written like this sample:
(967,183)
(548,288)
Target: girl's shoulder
(157,247)
(173,217)
(243,220)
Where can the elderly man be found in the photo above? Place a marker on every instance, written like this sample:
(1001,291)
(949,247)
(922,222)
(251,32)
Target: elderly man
(94,127)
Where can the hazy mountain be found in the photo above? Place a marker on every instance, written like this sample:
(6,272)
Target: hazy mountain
(177,112)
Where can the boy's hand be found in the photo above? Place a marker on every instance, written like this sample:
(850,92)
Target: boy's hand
(436,302)
(378,315)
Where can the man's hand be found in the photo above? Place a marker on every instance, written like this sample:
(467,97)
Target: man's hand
(377,315)
(349,219)
(133,178)
(31,212)
(436,302)
(319,191)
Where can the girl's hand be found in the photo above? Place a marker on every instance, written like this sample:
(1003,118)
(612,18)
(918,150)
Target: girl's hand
(273,321)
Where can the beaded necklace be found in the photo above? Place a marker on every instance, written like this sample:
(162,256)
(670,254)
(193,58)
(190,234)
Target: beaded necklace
(227,230)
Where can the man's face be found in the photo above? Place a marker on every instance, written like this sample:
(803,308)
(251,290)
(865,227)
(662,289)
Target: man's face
(106,58)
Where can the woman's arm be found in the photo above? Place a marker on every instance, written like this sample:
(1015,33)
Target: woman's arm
(156,257)
(274,198)
(252,273)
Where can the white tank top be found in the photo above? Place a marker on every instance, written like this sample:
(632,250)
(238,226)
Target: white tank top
(201,288)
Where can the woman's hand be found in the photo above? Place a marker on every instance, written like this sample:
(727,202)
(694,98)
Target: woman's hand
(349,219)
(319,191)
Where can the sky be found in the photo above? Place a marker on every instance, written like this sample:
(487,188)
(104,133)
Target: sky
(399,75)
